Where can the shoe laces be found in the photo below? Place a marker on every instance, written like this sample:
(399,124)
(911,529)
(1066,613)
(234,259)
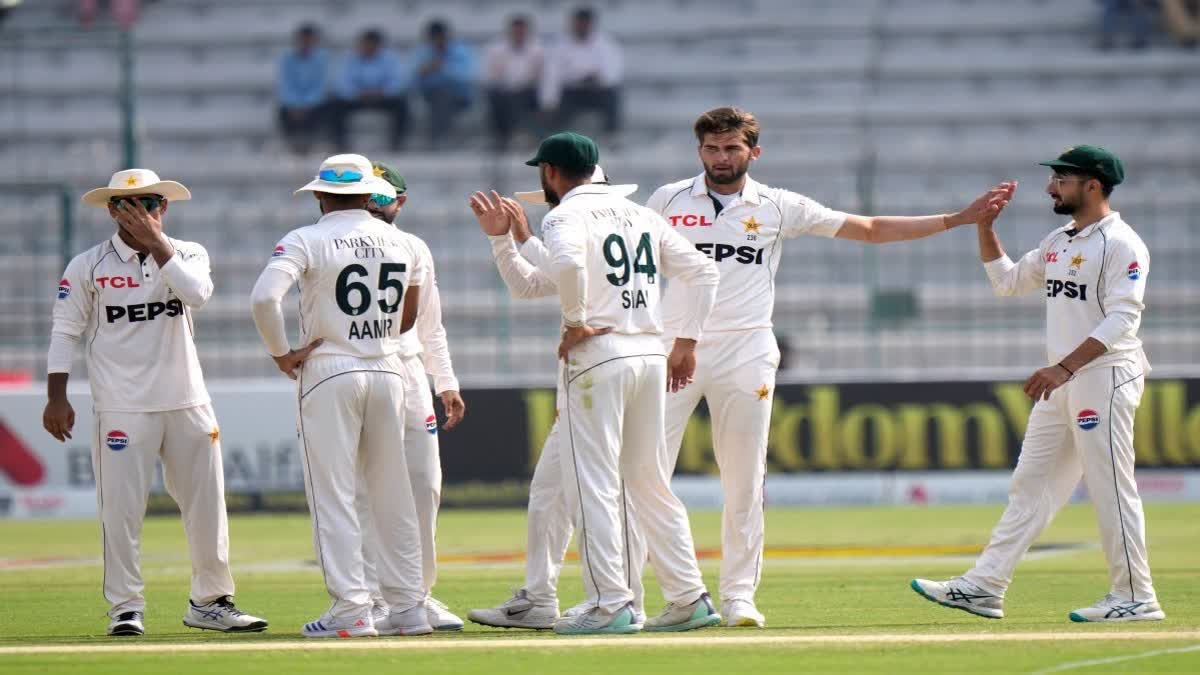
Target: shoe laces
(518,594)
(128,616)
(1108,601)
(226,602)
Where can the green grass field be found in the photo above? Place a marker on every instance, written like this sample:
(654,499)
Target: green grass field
(831,607)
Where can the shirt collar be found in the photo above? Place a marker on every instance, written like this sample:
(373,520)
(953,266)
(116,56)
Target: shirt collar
(585,189)
(1112,217)
(346,213)
(750,191)
(124,251)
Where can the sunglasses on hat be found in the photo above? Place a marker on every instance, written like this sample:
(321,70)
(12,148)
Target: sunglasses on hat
(150,203)
(340,175)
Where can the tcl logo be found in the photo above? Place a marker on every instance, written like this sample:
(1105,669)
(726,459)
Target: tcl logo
(116,282)
(690,220)
(747,255)
(1052,257)
(145,311)
(1068,289)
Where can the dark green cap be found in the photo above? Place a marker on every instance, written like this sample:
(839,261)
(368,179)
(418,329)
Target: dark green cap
(568,150)
(390,175)
(1092,160)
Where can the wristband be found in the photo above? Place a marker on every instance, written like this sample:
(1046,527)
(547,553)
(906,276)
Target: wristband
(1069,371)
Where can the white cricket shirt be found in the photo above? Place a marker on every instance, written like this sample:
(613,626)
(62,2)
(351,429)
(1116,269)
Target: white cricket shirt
(1094,280)
(624,249)
(135,322)
(353,270)
(745,240)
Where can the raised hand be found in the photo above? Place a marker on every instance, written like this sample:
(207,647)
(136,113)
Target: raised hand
(989,204)
(518,222)
(490,213)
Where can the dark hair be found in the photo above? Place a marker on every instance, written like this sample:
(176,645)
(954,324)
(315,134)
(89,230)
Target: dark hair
(437,28)
(516,19)
(343,201)
(1106,188)
(308,30)
(586,13)
(372,35)
(725,119)
(576,173)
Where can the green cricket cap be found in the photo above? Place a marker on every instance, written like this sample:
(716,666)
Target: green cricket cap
(568,150)
(390,175)
(1092,160)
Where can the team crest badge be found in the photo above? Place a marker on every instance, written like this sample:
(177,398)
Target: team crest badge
(116,440)
(431,424)
(64,289)
(1087,419)
(1134,271)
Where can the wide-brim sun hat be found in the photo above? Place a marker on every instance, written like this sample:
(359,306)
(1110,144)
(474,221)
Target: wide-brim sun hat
(136,182)
(348,175)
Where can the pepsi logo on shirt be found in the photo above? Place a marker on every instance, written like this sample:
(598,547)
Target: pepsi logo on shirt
(1087,419)
(279,250)
(64,289)
(1134,271)
(116,440)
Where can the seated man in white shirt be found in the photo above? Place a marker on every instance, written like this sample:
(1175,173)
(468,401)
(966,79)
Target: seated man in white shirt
(584,74)
(512,68)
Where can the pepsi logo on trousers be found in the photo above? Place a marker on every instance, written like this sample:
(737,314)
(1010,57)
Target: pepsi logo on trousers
(116,440)
(1087,419)
(431,424)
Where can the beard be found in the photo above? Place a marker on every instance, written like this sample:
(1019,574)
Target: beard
(380,214)
(552,197)
(730,178)
(1065,208)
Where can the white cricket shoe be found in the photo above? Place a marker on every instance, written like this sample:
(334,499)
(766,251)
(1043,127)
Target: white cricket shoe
(516,612)
(960,594)
(678,618)
(127,623)
(347,627)
(742,614)
(412,621)
(639,613)
(597,621)
(222,615)
(1112,608)
(379,611)
(440,616)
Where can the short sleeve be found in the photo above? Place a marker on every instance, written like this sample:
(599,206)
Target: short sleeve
(290,256)
(802,215)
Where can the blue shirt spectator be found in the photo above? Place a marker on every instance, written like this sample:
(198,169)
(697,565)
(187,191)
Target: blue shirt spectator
(303,72)
(372,70)
(445,64)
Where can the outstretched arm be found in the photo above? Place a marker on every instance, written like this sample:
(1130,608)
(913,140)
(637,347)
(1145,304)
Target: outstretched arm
(885,229)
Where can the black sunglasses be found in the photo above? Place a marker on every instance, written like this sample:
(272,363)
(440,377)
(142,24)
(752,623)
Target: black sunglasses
(149,203)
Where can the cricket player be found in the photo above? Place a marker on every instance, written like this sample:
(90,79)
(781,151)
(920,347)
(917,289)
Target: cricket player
(549,525)
(421,427)
(360,282)
(1093,271)
(741,223)
(606,254)
(130,299)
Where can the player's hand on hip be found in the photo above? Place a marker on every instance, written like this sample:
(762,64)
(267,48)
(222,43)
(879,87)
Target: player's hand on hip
(490,213)
(573,335)
(681,364)
(455,408)
(289,362)
(59,418)
(1041,383)
(988,204)
(518,222)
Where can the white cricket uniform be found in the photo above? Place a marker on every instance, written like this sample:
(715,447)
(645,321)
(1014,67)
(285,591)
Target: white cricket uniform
(738,357)
(432,356)
(353,271)
(150,403)
(609,254)
(1094,281)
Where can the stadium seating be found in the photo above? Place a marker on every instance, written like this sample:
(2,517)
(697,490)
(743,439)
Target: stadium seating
(903,106)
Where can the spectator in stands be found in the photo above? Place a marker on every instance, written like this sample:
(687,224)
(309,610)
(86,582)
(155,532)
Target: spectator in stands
(124,12)
(1136,15)
(583,73)
(303,81)
(1183,20)
(512,69)
(372,79)
(444,74)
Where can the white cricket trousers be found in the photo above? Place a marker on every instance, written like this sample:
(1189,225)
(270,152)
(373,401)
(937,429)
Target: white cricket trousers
(352,424)
(125,449)
(1085,429)
(424,470)
(613,449)
(735,374)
